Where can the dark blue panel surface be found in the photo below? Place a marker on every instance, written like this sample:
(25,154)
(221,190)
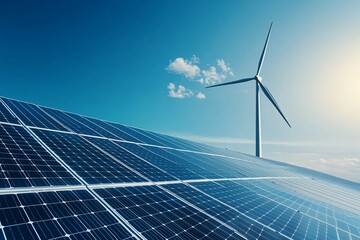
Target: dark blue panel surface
(55,215)
(25,163)
(168,166)
(32,115)
(145,168)
(158,215)
(6,116)
(90,163)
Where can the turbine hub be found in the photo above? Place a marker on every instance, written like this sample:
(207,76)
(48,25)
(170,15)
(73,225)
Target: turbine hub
(257,77)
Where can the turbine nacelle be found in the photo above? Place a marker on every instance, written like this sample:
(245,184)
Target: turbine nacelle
(258,78)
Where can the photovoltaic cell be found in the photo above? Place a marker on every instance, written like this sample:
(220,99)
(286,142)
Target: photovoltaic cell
(25,163)
(32,115)
(94,166)
(158,215)
(146,169)
(6,116)
(58,215)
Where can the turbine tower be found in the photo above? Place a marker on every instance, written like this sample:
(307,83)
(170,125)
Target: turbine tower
(259,85)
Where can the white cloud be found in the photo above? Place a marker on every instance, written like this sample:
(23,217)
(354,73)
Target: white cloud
(185,67)
(224,67)
(190,70)
(181,92)
(200,95)
(211,76)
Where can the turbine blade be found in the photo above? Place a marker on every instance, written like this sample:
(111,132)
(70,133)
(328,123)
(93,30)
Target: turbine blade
(272,100)
(261,61)
(232,82)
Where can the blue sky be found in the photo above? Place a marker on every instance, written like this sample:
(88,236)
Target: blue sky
(115,60)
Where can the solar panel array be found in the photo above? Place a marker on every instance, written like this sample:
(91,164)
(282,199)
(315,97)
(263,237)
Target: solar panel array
(67,176)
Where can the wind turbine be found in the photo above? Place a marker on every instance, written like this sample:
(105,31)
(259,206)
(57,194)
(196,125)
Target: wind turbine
(265,90)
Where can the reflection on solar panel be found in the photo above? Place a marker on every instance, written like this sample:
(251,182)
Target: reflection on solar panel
(66,176)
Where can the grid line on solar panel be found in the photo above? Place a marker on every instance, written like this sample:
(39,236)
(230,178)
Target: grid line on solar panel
(170,167)
(131,160)
(25,163)
(242,223)
(157,214)
(58,214)
(31,115)
(5,115)
(90,163)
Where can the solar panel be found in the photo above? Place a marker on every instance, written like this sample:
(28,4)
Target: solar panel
(167,165)
(91,164)
(245,225)
(67,176)
(32,115)
(56,215)
(157,214)
(119,133)
(70,122)
(136,134)
(140,165)
(25,163)
(282,218)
